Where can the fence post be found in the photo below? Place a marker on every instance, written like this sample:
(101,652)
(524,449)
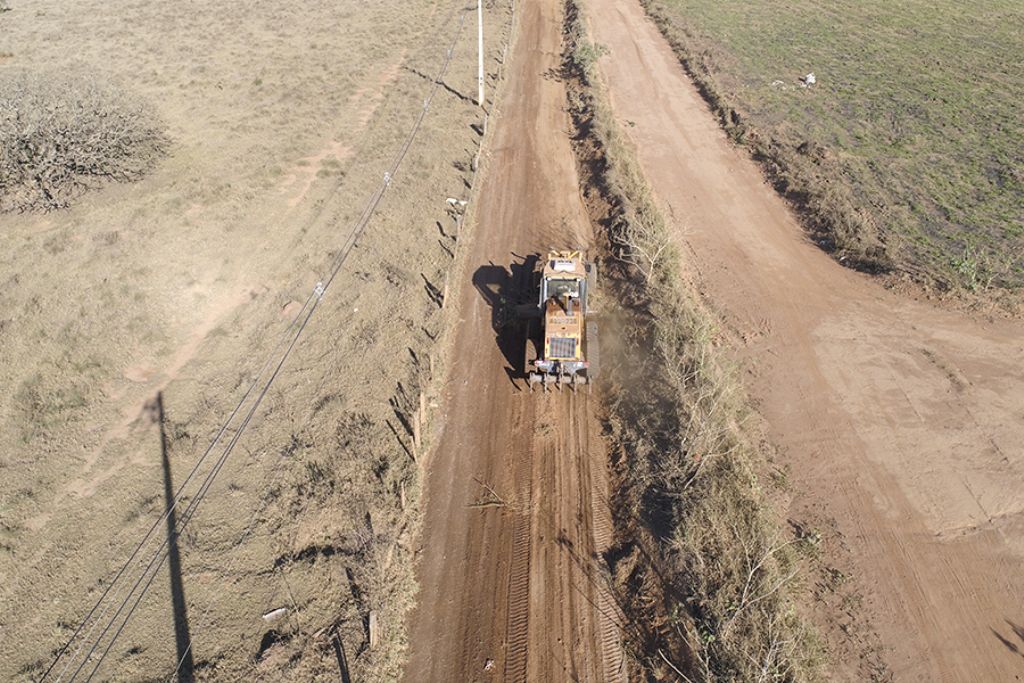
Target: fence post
(374,630)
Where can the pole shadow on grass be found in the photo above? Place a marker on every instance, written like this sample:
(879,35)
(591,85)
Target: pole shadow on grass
(1016,647)
(504,289)
(182,638)
(444,85)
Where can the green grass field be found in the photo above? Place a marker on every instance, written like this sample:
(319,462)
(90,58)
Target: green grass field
(915,134)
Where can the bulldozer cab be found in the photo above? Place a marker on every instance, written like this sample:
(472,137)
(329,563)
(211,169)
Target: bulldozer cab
(564,280)
(560,288)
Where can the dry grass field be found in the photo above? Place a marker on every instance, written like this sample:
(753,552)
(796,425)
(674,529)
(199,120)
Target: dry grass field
(280,119)
(907,151)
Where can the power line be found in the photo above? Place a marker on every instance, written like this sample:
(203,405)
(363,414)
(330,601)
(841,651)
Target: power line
(177,498)
(314,298)
(400,157)
(193,505)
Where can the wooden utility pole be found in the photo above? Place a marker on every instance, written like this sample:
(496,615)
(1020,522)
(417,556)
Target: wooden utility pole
(480,51)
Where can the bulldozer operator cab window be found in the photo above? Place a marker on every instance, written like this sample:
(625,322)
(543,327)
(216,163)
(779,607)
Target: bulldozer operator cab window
(558,289)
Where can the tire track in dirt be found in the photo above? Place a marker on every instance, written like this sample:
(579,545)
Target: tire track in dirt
(518,602)
(518,628)
(611,618)
(511,591)
(590,582)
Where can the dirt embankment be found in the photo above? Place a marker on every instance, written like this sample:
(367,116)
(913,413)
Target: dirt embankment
(898,425)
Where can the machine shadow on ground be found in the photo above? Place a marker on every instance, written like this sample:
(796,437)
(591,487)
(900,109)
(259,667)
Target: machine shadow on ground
(504,289)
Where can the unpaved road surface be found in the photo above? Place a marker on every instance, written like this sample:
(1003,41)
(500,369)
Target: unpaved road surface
(516,488)
(899,423)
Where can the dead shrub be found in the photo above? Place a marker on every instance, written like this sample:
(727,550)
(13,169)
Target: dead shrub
(63,133)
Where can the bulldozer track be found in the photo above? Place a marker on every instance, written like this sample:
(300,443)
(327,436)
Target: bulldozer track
(518,629)
(518,621)
(609,616)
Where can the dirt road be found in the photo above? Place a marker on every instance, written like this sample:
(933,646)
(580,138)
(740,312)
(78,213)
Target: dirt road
(515,488)
(899,423)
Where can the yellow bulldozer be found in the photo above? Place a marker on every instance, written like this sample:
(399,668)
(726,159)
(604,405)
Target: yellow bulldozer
(561,332)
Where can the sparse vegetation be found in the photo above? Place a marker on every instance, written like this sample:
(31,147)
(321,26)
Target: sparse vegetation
(703,568)
(587,54)
(356,493)
(906,152)
(61,133)
(45,408)
(156,287)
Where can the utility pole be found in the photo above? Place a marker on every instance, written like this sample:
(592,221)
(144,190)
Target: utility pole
(480,51)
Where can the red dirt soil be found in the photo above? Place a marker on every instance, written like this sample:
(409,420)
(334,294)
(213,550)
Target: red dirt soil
(516,488)
(899,423)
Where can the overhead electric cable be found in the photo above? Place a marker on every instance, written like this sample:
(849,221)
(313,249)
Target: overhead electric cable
(314,298)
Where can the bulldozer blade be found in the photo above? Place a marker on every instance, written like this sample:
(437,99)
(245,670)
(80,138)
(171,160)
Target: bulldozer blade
(546,380)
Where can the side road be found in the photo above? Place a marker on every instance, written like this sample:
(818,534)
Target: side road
(899,424)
